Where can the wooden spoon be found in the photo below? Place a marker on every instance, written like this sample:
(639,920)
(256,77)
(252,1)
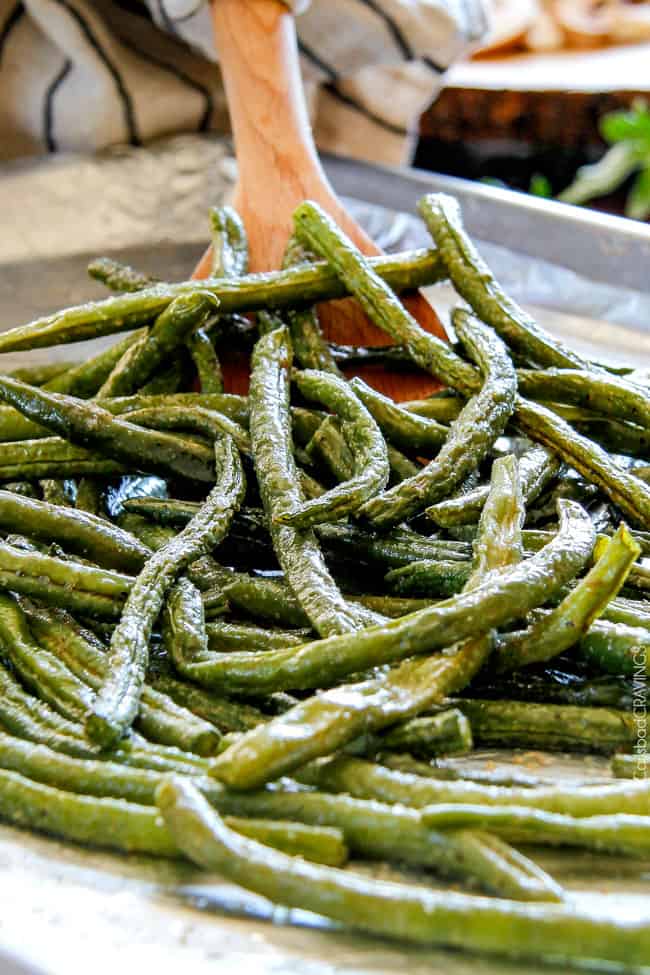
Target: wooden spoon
(279,168)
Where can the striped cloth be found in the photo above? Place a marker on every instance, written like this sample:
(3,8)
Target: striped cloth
(85,74)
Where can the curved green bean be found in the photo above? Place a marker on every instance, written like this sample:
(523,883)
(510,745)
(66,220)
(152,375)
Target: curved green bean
(401,910)
(537,468)
(471,435)
(83,533)
(403,428)
(370,460)
(571,619)
(90,425)
(117,701)
(298,552)
(340,714)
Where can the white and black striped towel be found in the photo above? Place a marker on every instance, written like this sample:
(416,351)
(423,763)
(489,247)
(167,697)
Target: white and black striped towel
(84,74)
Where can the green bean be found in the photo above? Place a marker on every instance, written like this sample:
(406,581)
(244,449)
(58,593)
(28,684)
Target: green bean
(83,533)
(634,766)
(328,447)
(52,457)
(33,574)
(363,779)
(616,648)
(183,625)
(440,768)
(117,701)
(631,612)
(164,511)
(498,546)
(228,404)
(353,356)
(90,496)
(160,719)
(206,361)
(391,606)
(309,345)
(33,720)
(401,466)
(229,243)
(77,575)
(370,461)
(426,577)
(558,630)
(168,380)
(340,714)
(111,823)
(443,406)
(104,779)
(234,636)
(398,547)
(492,604)
(153,536)
(537,467)
(171,328)
(475,282)
(471,435)
(627,835)
(513,724)
(319,231)
(267,599)
(618,437)
(90,425)
(40,670)
(13,426)
(297,551)
(229,259)
(30,718)
(397,424)
(398,910)
(620,486)
(401,546)
(118,276)
(599,391)
(317,844)
(223,713)
(447,733)
(305,284)
(196,419)
(86,378)
(41,373)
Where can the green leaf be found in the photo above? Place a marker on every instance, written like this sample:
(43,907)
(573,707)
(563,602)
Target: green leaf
(628,124)
(540,186)
(602,177)
(637,204)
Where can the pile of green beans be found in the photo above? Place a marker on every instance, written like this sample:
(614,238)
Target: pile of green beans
(203,593)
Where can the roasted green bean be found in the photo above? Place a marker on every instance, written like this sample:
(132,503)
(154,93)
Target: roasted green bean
(370,459)
(297,551)
(471,435)
(400,910)
(117,701)
(302,285)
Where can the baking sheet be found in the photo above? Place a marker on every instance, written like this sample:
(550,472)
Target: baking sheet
(68,911)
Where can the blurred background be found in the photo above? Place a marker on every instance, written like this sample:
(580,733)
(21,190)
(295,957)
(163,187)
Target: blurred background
(560,85)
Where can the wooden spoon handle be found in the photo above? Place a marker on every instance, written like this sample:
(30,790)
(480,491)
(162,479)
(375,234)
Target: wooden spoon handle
(277,159)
